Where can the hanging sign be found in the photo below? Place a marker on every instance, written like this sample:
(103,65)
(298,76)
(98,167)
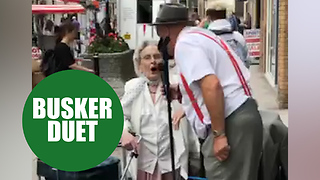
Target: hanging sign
(127,36)
(36,53)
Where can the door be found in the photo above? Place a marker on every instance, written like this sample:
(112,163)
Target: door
(272,41)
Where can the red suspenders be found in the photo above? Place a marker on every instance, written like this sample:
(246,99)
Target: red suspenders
(236,67)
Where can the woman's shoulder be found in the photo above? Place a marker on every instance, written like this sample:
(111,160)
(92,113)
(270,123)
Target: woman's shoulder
(132,82)
(61,45)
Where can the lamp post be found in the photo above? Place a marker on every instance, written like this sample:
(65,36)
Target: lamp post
(96,64)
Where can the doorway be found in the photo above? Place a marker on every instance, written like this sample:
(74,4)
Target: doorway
(272,42)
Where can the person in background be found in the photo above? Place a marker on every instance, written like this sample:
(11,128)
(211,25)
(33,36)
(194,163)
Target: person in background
(230,125)
(223,28)
(235,22)
(76,23)
(197,22)
(77,44)
(106,26)
(241,26)
(145,111)
(204,23)
(113,25)
(62,51)
(247,21)
(62,20)
(207,20)
(195,18)
(49,28)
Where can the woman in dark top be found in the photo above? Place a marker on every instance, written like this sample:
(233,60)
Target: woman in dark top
(64,58)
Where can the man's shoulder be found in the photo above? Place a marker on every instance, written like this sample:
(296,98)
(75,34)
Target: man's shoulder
(194,35)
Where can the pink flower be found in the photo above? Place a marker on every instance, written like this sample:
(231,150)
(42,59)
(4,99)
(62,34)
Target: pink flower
(92,38)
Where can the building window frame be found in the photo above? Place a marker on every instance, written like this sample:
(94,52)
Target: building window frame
(148,16)
(272,42)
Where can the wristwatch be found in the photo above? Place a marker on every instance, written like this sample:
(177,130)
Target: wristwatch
(218,133)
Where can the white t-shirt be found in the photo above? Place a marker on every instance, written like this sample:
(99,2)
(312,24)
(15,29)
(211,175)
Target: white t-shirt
(197,56)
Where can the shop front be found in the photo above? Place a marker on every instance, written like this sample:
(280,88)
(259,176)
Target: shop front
(274,46)
(271,58)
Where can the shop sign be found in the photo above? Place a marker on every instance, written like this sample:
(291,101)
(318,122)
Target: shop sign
(252,37)
(127,36)
(36,53)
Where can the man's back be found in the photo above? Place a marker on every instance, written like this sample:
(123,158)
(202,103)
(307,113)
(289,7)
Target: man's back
(198,56)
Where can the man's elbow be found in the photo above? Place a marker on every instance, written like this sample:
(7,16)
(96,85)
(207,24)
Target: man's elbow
(211,84)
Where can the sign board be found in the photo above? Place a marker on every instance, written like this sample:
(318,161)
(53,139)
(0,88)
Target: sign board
(252,37)
(36,53)
(127,36)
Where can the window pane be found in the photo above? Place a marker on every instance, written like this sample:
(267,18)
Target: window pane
(144,11)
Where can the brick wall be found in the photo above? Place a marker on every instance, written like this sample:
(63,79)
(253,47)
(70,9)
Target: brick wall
(283,54)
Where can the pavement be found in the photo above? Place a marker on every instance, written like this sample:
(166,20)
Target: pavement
(265,95)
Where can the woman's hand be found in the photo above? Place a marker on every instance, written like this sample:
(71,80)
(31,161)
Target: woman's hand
(91,71)
(177,117)
(174,92)
(129,142)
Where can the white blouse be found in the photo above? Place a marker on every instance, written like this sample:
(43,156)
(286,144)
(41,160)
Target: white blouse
(155,143)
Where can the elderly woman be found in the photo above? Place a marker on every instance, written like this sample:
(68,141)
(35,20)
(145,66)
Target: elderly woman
(145,112)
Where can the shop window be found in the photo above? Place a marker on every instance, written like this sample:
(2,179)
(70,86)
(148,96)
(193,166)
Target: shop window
(144,11)
(258,15)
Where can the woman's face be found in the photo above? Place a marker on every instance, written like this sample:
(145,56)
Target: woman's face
(150,59)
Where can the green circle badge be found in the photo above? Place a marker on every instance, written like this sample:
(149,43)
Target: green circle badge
(72,120)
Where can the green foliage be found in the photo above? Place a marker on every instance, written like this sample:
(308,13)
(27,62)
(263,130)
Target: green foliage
(108,44)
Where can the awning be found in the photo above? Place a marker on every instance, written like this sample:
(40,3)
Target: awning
(56,9)
(75,1)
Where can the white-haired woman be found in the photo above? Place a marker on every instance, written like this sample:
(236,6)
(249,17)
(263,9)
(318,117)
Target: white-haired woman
(145,112)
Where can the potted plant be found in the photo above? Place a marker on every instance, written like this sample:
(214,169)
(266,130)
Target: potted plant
(112,43)
(115,58)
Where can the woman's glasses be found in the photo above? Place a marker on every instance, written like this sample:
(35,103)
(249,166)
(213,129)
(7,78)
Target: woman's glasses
(152,56)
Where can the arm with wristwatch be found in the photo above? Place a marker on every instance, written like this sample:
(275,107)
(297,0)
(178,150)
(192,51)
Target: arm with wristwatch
(211,89)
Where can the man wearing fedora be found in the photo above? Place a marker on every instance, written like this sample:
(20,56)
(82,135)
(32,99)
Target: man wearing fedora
(216,97)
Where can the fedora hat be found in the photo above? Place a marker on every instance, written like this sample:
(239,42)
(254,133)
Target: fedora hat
(172,13)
